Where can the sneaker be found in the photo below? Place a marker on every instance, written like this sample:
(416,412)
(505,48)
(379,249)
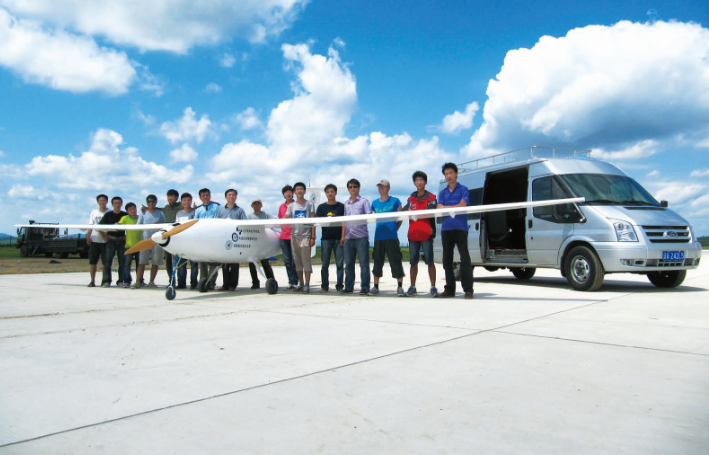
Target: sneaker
(400,292)
(256,286)
(339,287)
(373,291)
(411,291)
(363,292)
(306,289)
(106,285)
(325,289)
(298,288)
(136,285)
(151,285)
(434,291)
(346,291)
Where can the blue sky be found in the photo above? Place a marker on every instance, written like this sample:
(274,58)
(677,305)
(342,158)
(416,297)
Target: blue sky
(130,98)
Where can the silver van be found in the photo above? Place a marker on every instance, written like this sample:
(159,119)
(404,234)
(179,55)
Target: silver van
(620,227)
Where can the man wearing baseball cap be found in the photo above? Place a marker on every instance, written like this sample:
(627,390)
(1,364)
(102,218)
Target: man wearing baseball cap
(256,204)
(386,241)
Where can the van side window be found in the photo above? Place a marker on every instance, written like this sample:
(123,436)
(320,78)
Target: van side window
(476,198)
(546,188)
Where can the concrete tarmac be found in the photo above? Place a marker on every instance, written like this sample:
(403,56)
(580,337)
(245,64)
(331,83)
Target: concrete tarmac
(525,368)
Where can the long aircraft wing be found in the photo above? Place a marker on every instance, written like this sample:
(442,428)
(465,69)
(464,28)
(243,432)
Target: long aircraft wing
(351,220)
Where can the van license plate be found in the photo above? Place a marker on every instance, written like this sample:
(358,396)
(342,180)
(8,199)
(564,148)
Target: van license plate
(673,255)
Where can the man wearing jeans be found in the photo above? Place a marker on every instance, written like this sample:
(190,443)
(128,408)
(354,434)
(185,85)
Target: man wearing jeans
(286,249)
(355,240)
(115,243)
(258,214)
(183,216)
(132,237)
(454,233)
(330,241)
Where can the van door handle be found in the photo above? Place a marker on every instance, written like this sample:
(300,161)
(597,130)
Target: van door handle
(529,223)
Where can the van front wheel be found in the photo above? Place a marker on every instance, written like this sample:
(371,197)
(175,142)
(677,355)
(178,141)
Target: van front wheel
(583,269)
(523,273)
(667,279)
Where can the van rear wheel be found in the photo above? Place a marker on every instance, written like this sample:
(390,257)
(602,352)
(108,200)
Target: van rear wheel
(667,279)
(583,269)
(523,273)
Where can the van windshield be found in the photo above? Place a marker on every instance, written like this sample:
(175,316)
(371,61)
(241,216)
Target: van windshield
(608,189)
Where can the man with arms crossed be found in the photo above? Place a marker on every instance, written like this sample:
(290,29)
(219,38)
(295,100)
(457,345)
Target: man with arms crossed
(154,255)
(355,239)
(454,233)
(421,232)
(208,209)
(115,243)
(330,241)
(302,237)
(386,241)
(286,247)
(231,211)
(256,204)
(97,244)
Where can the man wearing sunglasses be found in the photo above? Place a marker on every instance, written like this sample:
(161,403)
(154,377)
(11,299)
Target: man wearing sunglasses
(355,240)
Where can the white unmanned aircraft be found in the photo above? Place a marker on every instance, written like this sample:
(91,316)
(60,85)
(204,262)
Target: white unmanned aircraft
(220,241)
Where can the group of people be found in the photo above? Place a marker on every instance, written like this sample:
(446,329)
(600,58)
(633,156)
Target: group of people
(347,243)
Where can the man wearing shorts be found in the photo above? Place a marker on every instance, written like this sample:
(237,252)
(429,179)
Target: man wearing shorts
(115,243)
(97,243)
(302,237)
(154,255)
(421,232)
(386,240)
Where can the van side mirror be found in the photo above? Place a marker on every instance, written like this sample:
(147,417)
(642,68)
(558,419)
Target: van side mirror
(664,204)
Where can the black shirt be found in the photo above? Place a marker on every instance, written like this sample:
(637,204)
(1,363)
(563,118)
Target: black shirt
(331,233)
(112,218)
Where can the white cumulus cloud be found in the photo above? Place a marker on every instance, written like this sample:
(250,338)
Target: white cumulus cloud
(187,128)
(700,173)
(61,60)
(22,191)
(459,121)
(248,119)
(227,60)
(184,154)
(213,88)
(165,25)
(637,151)
(104,166)
(599,86)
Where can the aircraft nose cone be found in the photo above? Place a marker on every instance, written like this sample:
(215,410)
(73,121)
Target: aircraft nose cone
(157,238)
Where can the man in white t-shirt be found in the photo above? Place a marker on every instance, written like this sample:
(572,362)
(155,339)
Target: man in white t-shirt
(96,241)
(302,237)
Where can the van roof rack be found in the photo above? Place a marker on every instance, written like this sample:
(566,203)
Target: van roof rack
(535,151)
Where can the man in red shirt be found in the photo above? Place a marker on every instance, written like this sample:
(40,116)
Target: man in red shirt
(421,232)
(286,248)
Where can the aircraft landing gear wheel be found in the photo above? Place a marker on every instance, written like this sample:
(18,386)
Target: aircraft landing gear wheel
(170,293)
(203,285)
(667,279)
(523,273)
(491,269)
(583,269)
(271,286)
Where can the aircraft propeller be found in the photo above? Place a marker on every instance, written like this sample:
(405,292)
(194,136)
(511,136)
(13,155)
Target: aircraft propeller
(149,243)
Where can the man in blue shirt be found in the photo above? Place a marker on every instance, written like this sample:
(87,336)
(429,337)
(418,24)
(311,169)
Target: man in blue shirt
(230,211)
(208,209)
(454,233)
(386,242)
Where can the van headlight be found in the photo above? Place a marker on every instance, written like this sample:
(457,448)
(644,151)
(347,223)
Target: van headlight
(624,231)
